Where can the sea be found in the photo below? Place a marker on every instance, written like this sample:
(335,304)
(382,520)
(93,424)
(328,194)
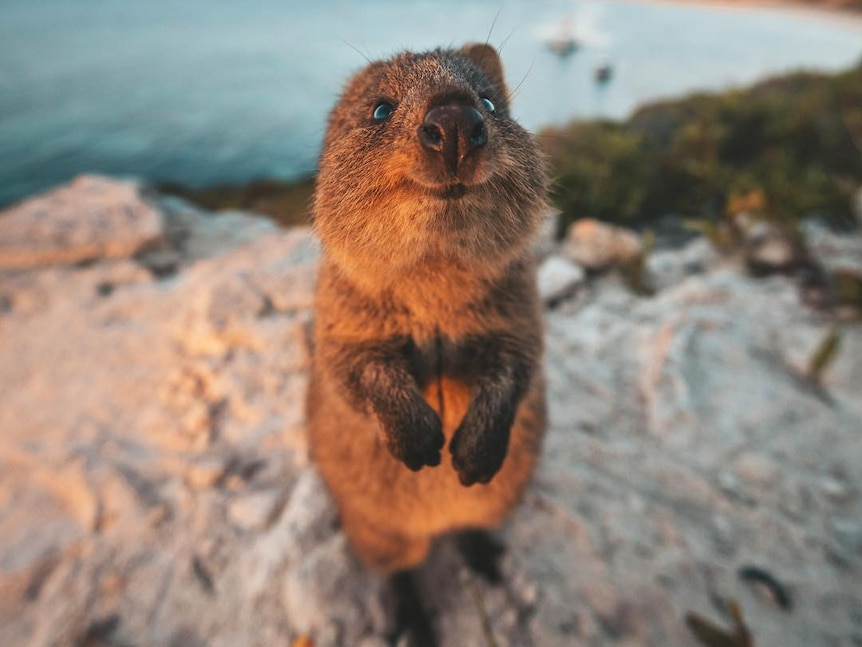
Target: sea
(199,92)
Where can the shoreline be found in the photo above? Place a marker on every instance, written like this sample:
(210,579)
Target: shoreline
(845,14)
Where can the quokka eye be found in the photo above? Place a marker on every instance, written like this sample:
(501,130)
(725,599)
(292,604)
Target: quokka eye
(382,111)
(489,105)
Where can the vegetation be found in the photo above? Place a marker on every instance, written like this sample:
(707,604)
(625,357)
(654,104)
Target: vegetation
(795,141)
(712,635)
(824,354)
(288,203)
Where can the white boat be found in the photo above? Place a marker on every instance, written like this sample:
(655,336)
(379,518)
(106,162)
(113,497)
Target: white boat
(564,42)
(603,73)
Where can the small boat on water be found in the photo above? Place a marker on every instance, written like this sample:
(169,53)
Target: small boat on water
(564,43)
(563,46)
(603,73)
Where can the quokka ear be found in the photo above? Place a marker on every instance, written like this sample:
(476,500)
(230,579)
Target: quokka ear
(488,61)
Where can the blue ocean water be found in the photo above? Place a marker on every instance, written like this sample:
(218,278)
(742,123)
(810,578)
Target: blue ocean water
(204,91)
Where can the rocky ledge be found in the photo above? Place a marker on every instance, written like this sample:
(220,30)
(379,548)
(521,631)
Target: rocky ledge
(155,487)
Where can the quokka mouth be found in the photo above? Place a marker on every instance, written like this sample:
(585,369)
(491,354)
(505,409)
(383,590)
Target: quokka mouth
(454,191)
(451,191)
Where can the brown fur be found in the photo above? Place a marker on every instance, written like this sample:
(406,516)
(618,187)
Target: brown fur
(427,330)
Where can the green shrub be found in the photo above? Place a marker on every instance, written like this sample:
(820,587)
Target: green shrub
(796,138)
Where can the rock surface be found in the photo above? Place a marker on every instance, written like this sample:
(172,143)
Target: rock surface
(91,219)
(155,487)
(558,278)
(596,245)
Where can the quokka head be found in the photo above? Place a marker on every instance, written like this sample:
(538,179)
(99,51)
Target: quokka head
(422,160)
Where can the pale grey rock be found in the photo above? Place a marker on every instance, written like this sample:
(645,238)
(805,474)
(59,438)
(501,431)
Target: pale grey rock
(835,251)
(848,533)
(134,413)
(93,217)
(835,487)
(545,242)
(596,245)
(310,516)
(196,233)
(156,489)
(255,510)
(558,278)
(688,413)
(205,473)
(769,248)
(669,267)
(330,595)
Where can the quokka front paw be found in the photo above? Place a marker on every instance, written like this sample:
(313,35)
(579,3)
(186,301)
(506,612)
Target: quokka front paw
(479,445)
(413,434)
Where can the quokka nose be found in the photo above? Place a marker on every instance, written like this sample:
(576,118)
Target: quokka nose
(454,130)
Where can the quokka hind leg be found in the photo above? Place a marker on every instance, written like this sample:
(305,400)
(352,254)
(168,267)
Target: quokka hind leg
(383,551)
(412,620)
(482,551)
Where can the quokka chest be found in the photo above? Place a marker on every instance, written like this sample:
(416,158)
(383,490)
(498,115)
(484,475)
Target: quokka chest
(440,359)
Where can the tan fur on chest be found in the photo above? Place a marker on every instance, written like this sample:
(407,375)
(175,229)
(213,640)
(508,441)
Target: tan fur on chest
(449,398)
